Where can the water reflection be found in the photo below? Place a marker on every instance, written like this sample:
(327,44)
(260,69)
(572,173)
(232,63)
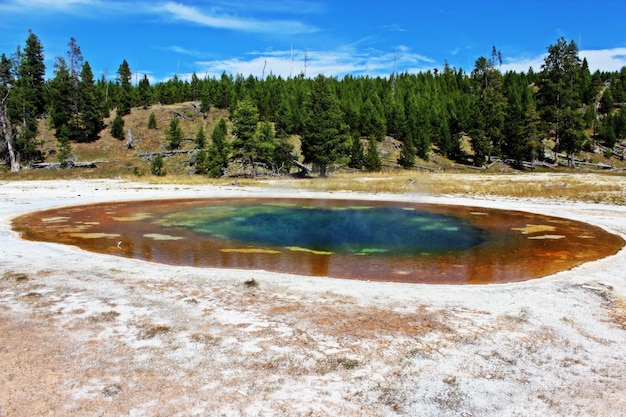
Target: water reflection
(383,241)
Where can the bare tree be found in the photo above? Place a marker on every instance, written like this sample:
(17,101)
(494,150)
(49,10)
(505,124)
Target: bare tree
(7,133)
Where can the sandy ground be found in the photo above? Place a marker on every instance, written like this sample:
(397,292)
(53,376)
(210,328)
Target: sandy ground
(92,335)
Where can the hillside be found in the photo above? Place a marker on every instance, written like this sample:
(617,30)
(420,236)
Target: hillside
(114,159)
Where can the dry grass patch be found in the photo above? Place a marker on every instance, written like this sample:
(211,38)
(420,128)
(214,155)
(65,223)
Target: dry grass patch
(14,276)
(618,312)
(107,316)
(335,363)
(600,188)
(205,338)
(150,331)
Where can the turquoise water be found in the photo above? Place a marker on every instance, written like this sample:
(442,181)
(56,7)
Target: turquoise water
(351,230)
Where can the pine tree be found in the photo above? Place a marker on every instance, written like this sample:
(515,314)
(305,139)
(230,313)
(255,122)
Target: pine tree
(423,143)
(200,138)
(217,157)
(372,157)
(75,65)
(107,89)
(489,111)
(224,93)
(246,147)
(174,134)
(559,97)
(609,138)
(75,60)
(200,162)
(22,94)
(532,133)
(157,166)
(60,96)
(407,154)
(208,94)
(587,90)
(124,99)
(419,128)
(152,121)
(31,74)
(28,97)
(7,80)
(372,121)
(117,127)
(396,125)
(75,99)
(620,123)
(283,156)
(273,152)
(91,122)
(522,123)
(357,155)
(64,147)
(573,136)
(195,86)
(325,137)
(606,102)
(266,143)
(144,92)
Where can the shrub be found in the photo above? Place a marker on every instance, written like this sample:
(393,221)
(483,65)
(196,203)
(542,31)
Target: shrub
(152,121)
(251,283)
(174,134)
(157,166)
(117,127)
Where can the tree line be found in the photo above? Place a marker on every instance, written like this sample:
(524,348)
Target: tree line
(561,109)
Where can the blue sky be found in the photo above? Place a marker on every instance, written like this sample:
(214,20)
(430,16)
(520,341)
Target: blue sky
(334,37)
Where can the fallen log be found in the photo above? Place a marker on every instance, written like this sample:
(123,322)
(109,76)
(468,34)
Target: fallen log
(90,164)
(304,170)
(431,169)
(150,155)
(545,164)
(598,165)
(46,165)
(180,115)
(64,164)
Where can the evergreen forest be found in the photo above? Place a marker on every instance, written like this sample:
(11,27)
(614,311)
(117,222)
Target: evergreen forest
(272,124)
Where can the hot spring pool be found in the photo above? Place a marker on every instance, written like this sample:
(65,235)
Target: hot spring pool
(355,239)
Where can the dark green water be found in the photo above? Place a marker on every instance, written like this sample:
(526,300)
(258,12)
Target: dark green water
(350,230)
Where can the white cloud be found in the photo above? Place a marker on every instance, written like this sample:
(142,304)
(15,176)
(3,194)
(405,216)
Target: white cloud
(522,65)
(279,6)
(215,19)
(605,59)
(609,60)
(393,28)
(347,60)
(338,62)
(54,4)
(215,16)
(83,8)
(272,64)
(185,51)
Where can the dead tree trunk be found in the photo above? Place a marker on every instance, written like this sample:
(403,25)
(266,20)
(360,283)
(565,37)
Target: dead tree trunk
(129,142)
(7,132)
